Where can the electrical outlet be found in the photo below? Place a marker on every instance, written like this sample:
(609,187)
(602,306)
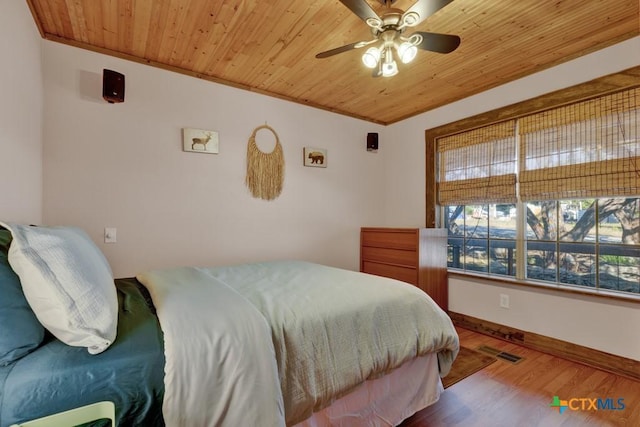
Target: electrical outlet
(110,235)
(504,300)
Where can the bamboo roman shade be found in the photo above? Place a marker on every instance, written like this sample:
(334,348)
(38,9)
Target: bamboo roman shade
(478,166)
(583,150)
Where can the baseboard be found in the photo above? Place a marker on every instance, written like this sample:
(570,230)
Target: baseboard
(618,365)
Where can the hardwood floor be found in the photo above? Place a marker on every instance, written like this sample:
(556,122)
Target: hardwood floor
(510,395)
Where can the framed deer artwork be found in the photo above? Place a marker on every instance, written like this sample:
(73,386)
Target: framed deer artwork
(200,141)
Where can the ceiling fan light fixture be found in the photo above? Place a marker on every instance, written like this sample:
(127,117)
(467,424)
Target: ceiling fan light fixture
(410,19)
(389,66)
(416,39)
(407,52)
(371,57)
(388,40)
(389,69)
(374,22)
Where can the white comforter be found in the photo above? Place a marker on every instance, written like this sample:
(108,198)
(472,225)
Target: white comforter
(300,336)
(220,365)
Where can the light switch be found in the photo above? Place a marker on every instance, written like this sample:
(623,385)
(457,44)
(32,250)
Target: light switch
(110,235)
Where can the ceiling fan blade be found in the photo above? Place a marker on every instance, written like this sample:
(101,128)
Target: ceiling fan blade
(340,49)
(435,42)
(361,8)
(426,8)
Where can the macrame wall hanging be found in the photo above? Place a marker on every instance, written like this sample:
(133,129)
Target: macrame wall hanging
(265,171)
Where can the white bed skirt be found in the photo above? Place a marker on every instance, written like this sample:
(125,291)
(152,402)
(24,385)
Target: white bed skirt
(385,401)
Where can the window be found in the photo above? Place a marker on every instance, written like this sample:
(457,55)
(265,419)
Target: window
(549,197)
(482,238)
(587,242)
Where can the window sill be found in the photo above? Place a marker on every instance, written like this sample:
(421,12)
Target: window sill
(563,289)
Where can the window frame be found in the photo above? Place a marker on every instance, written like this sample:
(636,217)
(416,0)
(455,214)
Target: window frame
(594,88)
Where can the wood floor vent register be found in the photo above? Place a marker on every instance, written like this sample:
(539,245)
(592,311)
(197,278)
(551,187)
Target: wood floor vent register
(511,358)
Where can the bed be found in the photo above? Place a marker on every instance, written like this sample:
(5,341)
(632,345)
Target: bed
(56,377)
(321,346)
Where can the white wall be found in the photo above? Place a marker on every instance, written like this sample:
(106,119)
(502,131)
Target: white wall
(122,165)
(599,323)
(20,115)
(603,324)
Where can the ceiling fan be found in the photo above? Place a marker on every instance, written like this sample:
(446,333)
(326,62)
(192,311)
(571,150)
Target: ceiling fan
(388,35)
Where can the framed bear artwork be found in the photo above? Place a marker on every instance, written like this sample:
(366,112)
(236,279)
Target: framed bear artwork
(315,157)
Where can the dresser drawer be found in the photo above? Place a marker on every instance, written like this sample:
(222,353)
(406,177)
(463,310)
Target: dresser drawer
(406,274)
(406,240)
(414,255)
(390,256)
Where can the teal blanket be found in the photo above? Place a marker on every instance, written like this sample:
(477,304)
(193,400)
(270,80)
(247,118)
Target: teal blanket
(56,377)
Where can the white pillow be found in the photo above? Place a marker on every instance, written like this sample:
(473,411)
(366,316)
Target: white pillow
(68,284)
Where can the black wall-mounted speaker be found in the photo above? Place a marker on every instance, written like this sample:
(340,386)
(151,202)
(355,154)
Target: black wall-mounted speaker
(112,86)
(372,142)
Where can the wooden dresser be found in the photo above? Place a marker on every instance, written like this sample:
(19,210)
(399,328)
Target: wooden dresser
(414,255)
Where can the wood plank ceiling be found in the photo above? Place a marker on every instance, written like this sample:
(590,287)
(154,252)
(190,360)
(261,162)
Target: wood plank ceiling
(269,46)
